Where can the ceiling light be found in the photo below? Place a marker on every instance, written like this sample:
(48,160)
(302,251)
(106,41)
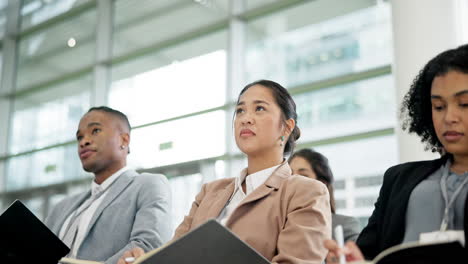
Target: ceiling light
(71,42)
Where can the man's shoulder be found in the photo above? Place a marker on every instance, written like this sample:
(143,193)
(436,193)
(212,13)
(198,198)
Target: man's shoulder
(150,178)
(150,185)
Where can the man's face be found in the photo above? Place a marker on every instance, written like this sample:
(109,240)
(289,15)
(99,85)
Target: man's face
(100,138)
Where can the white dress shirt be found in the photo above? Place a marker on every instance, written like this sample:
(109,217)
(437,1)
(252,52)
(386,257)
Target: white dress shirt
(252,182)
(88,213)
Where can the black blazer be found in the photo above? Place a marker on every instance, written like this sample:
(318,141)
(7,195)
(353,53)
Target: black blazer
(386,226)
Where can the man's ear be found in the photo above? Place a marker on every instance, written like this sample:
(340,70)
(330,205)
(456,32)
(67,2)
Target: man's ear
(125,140)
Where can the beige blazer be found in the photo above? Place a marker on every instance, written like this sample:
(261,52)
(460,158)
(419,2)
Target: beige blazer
(286,219)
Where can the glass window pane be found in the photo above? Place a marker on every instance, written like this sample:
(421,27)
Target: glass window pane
(360,159)
(44,168)
(50,116)
(58,50)
(187,78)
(34,12)
(316,41)
(346,109)
(148,22)
(184,189)
(191,138)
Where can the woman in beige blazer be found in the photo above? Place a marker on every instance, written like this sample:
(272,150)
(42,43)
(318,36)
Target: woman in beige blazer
(284,217)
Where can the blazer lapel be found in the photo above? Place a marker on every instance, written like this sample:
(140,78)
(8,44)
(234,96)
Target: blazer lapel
(69,209)
(220,199)
(121,183)
(272,183)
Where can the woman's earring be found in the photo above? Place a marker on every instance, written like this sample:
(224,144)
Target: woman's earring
(122,147)
(282,139)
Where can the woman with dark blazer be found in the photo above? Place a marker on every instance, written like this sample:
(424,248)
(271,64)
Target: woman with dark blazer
(414,196)
(284,217)
(314,165)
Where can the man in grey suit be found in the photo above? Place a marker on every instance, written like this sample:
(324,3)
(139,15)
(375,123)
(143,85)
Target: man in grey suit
(123,209)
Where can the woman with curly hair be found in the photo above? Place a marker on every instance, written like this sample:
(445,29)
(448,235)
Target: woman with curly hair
(424,196)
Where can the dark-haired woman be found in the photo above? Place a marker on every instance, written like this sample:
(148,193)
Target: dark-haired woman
(425,196)
(314,165)
(283,217)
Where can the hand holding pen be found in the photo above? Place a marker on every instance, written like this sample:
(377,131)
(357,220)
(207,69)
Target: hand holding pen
(338,251)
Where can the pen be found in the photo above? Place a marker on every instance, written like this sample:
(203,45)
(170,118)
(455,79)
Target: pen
(340,240)
(130,259)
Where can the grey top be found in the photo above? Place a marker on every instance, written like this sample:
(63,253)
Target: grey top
(350,225)
(426,204)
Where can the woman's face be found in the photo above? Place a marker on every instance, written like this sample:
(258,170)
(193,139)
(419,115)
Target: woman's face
(449,100)
(258,124)
(301,166)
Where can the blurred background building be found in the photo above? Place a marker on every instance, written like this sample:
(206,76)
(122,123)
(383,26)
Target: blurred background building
(175,67)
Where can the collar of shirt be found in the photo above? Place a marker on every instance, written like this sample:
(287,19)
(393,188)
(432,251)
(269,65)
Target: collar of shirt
(254,180)
(98,188)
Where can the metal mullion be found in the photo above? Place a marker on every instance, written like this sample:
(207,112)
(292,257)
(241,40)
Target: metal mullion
(348,138)
(223,107)
(8,81)
(340,80)
(47,83)
(268,9)
(200,32)
(58,19)
(104,40)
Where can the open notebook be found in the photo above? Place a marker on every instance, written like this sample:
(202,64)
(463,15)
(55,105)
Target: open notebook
(25,239)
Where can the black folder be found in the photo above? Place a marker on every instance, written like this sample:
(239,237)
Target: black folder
(24,239)
(210,243)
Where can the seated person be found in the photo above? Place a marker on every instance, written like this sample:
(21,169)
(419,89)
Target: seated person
(312,164)
(424,196)
(284,217)
(122,209)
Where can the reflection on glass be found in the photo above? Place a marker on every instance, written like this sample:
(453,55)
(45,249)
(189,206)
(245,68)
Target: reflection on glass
(184,189)
(44,168)
(179,88)
(34,12)
(192,138)
(149,22)
(346,109)
(292,51)
(50,116)
(45,55)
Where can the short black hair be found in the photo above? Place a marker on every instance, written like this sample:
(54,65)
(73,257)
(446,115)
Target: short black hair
(113,112)
(319,164)
(416,112)
(286,104)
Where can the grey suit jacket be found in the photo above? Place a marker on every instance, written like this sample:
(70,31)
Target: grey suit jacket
(135,213)
(350,225)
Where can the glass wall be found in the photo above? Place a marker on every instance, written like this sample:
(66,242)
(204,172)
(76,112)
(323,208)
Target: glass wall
(170,70)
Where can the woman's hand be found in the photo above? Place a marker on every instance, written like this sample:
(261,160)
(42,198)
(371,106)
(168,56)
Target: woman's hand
(350,250)
(133,253)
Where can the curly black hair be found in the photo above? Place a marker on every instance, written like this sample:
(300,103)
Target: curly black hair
(415,112)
